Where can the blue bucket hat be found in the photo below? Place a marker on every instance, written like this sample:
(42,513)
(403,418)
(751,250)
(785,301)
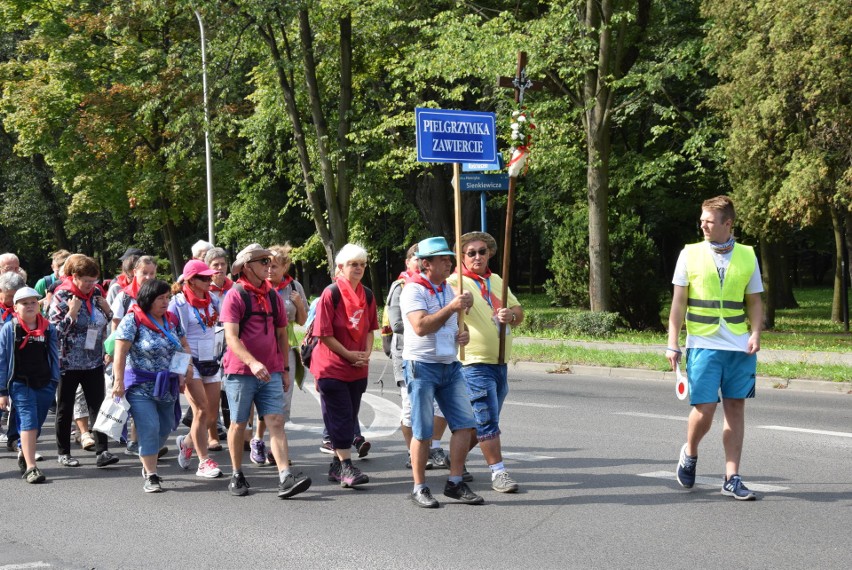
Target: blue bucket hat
(433,246)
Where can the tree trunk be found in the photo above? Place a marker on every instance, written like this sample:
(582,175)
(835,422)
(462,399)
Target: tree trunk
(777,284)
(170,238)
(52,202)
(597,94)
(770,279)
(836,306)
(597,176)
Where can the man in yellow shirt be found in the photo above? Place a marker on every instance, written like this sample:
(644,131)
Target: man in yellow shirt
(487,382)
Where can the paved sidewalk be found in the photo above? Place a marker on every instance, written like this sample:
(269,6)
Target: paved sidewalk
(766,355)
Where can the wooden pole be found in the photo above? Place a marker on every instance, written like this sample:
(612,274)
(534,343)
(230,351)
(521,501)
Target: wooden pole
(458,224)
(507,247)
(520,75)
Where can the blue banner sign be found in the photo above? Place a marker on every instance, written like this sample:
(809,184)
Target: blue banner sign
(476,182)
(455,136)
(483,166)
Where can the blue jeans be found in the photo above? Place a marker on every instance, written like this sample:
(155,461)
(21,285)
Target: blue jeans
(31,404)
(487,386)
(443,383)
(243,389)
(154,417)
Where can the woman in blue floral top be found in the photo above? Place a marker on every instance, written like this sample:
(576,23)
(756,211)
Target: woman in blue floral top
(80,314)
(152,364)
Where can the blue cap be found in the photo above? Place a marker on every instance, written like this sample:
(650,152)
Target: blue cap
(432,246)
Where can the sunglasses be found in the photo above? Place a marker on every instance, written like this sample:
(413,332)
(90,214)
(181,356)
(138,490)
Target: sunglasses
(264,262)
(472,253)
(205,278)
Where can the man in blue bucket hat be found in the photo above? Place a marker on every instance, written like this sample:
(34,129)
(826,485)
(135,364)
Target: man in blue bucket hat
(430,316)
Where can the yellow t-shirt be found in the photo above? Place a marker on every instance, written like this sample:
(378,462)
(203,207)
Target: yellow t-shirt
(484,345)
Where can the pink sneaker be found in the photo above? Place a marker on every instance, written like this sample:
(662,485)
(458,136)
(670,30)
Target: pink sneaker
(209,469)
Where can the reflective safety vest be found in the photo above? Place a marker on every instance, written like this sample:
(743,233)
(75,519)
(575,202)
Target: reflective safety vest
(709,301)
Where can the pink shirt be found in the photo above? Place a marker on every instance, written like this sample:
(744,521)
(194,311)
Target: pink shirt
(258,334)
(331,321)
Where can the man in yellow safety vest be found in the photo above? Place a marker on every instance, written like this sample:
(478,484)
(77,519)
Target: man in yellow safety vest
(716,285)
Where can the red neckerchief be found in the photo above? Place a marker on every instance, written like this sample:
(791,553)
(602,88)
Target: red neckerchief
(406,275)
(422,281)
(8,311)
(122,280)
(200,303)
(68,285)
(132,290)
(480,280)
(261,293)
(355,305)
(226,286)
(282,284)
(39,330)
(142,318)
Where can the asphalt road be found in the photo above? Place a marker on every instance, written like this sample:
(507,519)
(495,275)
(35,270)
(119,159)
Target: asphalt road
(595,458)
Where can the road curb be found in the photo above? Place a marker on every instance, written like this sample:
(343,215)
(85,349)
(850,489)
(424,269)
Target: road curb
(763,382)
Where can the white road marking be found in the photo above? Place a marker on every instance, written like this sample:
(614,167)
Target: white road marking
(533,405)
(386,416)
(654,416)
(525,457)
(804,430)
(715,482)
(26,565)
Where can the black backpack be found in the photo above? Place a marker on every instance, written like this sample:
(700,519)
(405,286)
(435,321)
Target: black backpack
(310,341)
(247,314)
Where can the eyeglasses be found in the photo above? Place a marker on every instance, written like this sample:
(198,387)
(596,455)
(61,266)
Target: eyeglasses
(472,253)
(264,262)
(356,263)
(205,278)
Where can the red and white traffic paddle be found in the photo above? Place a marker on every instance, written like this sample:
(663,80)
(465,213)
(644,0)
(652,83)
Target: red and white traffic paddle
(681,386)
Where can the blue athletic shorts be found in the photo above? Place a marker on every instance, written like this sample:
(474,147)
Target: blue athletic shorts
(713,371)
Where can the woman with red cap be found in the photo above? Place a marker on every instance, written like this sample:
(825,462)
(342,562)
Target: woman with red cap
(198,311)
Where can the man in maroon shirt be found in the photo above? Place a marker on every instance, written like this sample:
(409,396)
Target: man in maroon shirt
(255,369)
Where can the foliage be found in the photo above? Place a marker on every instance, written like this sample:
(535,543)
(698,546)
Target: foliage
(636,285)
(786,74)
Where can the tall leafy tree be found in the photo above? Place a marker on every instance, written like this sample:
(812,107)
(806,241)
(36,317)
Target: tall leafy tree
(785,69)
(103,93)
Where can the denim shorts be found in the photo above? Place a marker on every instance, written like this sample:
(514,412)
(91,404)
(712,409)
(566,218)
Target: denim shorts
(487,386)
(443,383)
(32,404)
(153,417)
(243,389)
(711,371)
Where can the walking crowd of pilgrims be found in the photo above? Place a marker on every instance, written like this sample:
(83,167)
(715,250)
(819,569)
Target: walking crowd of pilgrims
(224,337)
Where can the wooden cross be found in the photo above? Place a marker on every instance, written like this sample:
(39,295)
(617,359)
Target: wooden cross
(520,82)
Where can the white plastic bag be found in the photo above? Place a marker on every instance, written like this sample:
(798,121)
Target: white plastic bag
(112,417)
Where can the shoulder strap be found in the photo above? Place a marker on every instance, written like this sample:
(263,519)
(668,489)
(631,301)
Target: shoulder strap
(247,313)
(335,294)
(126,302)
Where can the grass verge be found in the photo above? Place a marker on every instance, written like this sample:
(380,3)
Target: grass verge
(650,361)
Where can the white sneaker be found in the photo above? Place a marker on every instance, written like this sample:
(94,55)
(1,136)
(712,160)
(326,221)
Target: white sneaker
(209,469)
(184,452)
